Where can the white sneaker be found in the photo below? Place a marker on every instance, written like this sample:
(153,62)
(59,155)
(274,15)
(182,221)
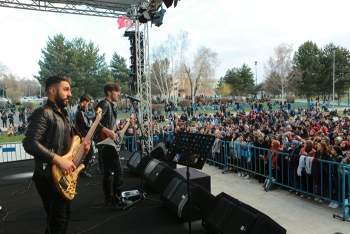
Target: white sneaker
(316,199)
(302,196)
(239,174)
(309,198)
(320,201)
(335,205)
(330,204)
(247,177)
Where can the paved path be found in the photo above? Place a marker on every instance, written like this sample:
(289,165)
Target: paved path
(297,215)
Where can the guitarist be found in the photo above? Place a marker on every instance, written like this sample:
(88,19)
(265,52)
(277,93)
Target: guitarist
(47,139)
(82,124)
(112,183)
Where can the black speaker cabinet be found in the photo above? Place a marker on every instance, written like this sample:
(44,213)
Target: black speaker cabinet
(157,174)
(175,196)
(228,215)
(159,152)
(136,165)
(196,176)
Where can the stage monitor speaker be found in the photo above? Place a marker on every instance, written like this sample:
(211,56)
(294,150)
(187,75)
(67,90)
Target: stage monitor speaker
(175,196)
(228,215)
(136,165)
(157,174)
(124,156)
(159,152)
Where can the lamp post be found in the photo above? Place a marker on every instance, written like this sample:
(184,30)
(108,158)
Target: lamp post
(333,49)
(256,74)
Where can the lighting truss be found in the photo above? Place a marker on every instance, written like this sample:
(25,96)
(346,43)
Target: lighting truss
(100,9)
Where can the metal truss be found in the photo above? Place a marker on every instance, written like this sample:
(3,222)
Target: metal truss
(110,9)
(143,81)
(101,9)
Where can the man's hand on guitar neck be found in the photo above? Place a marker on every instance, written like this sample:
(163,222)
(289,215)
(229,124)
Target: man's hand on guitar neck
(109,133)
(66,165)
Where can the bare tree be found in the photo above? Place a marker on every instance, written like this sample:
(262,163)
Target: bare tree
(279,76)
(161,79)
(167,59)
(202,68)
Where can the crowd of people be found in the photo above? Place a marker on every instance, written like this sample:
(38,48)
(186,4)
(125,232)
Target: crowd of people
(293,135)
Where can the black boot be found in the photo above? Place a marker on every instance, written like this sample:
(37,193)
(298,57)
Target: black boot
(118,198)
(108,191)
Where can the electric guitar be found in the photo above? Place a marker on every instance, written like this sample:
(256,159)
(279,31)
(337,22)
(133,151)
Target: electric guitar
(119,137)
(67,183)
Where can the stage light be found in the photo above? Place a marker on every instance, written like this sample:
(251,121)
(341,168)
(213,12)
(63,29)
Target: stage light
(157,18)
(168,3)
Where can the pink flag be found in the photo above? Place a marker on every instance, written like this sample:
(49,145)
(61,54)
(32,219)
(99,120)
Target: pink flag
(124,21)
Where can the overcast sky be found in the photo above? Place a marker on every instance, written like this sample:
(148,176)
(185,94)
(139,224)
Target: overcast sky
(240,31)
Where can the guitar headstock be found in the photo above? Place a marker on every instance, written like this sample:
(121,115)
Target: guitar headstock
(99,112)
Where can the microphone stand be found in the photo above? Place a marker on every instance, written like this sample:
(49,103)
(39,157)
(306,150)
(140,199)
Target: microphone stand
(142,141)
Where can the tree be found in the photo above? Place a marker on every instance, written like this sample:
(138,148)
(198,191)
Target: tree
(169,55)
(278,70)
(240,79)
(308,68)
(79,60)
(203,68)
(120,71)
(162,80)
(342,69)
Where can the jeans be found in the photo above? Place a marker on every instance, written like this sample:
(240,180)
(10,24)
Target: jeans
(58,210)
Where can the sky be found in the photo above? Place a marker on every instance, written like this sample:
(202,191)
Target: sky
(239,31)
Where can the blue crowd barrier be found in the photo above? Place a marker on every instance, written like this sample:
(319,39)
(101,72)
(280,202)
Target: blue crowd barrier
(325,180)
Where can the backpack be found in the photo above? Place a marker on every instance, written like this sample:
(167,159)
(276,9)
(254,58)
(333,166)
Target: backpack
(269,184)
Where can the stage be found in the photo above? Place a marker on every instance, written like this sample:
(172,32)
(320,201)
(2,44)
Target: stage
(22,211)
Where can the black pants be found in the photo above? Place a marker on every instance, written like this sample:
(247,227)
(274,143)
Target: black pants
(88,157)
(111,163)
(4,124)
(58,210)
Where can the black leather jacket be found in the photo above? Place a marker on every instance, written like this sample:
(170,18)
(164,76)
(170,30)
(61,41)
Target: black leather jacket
(81,121)
(46,136)
(108,120)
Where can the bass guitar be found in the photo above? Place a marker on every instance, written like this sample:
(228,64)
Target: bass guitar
(67,183)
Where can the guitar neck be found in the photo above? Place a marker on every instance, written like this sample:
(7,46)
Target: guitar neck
(122,132)
(80,152)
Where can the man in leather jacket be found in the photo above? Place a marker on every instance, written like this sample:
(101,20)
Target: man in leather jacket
(47,139)
(82,124)
(112,169)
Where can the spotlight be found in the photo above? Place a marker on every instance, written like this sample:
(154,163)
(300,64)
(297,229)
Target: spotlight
(157,18)
(168,3)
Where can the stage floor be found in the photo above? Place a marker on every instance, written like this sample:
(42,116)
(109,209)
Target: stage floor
(22,211)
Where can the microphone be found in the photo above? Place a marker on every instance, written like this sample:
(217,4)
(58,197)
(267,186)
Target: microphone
(132,98)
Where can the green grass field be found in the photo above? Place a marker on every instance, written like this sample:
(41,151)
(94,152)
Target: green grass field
(6,139)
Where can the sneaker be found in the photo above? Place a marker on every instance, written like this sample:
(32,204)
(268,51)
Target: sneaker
(330,204)
(240,174)
(302,196)
(316,199)
(247,177)
(296,193)
(335,205)
(309,198)
(320,201)
(290,190)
